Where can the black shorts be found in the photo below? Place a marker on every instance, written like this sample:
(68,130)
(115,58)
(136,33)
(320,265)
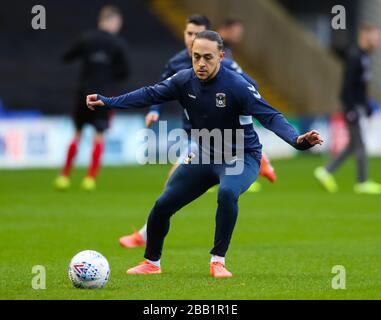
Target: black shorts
(99,118)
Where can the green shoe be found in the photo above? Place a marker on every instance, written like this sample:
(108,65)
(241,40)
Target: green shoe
(255,187)
(62,183)
(88,184)
(326,179)
(212,189)
(368,187)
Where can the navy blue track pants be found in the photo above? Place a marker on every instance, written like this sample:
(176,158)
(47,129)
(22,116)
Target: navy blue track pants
(188,182)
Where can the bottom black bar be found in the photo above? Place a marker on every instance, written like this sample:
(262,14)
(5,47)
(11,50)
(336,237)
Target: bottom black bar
(192,309)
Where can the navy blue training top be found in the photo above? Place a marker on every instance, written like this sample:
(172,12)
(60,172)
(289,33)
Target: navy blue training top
(182,60)
(227,101)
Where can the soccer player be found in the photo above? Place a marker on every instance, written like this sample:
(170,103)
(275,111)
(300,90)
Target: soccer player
(104,63)
(180,61)
(214,98)
(355,101)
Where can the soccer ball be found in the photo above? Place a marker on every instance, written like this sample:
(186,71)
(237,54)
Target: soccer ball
(89,270)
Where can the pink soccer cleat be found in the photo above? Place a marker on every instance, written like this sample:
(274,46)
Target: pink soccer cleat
(144,267)
(266,169)
(134,240)
(218,270)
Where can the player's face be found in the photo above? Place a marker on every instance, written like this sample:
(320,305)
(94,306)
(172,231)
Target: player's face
(370,39)
(374,39)
(113,24)
(190,33)
(206,58)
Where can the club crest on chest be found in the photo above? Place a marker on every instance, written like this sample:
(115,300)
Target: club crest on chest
(220,100)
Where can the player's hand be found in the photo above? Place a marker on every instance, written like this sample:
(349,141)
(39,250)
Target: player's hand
(92,101)
(151,118)
(313,137)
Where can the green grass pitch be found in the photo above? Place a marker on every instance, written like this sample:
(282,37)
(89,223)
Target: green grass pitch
(286,241)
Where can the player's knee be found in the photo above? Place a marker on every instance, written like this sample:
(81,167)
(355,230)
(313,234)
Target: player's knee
(162,207)
(227,195)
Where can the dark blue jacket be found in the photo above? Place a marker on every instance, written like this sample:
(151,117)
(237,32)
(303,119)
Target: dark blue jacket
(227,101)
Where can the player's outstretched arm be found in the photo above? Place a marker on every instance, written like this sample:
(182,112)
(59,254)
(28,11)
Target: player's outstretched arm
(167,90)
(275,121)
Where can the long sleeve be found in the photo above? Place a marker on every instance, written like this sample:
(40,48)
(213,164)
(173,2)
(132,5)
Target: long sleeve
(271,118)
(144,97)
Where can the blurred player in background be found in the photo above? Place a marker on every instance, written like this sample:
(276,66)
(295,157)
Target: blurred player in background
(231,31)
(355,102)
(182,60)
(103,57)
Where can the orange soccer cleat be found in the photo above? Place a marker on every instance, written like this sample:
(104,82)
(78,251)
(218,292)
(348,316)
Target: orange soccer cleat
(144,267)
(266,169)
(132,241)
(218,270)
